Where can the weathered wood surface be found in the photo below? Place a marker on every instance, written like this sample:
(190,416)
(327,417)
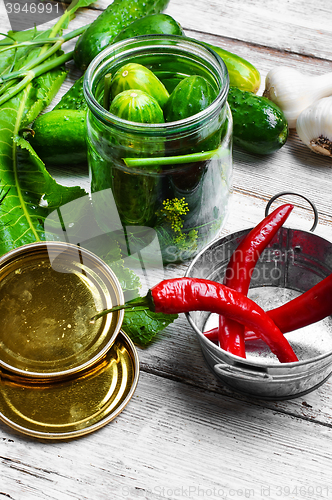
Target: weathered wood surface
(184,434)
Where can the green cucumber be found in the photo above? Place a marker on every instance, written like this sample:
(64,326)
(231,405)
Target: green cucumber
(242,74)
(135,194)
(137,106)
(136,76)
(59,137)
(154,24)
(74,97)
(193,94)
(117,16)
(148,25)
(259,125)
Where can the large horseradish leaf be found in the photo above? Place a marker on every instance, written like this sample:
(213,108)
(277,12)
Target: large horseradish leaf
(31,193)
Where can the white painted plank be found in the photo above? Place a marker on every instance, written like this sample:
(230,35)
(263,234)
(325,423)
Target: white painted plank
(172,438)
(183,428)
(299,27)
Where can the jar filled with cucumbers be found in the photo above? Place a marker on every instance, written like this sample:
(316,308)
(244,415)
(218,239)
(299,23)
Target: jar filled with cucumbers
(159,135)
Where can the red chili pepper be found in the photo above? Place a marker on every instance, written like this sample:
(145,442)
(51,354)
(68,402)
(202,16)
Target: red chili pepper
(311,306)
(182,295)
(239,271)
(193,294)
(307,308)
(213,334)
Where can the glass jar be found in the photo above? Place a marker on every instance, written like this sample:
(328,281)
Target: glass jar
(183,198)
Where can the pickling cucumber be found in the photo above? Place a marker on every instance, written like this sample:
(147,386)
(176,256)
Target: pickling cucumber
(242,74)
(74,98)
(117,16)
(59,137)
(136,76)
(137,106)
(135,195)
(154,24)
(193,94)
(259,125)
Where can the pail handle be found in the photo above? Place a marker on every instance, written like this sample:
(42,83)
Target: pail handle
(226,370)
(285,193)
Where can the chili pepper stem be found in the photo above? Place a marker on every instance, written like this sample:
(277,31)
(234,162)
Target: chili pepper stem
(138,302)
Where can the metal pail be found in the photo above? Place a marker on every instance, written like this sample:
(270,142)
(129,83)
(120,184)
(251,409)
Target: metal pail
(292,263)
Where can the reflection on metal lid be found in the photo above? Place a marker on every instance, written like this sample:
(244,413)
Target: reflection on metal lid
(74,406)
(45,310)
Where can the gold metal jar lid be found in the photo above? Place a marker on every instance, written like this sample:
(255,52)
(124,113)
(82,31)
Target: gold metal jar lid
(48,293)
(74,406)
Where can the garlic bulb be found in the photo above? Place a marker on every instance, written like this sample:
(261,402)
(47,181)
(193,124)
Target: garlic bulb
(314,126)
(293,92)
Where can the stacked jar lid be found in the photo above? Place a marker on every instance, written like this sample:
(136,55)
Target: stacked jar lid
(62,375)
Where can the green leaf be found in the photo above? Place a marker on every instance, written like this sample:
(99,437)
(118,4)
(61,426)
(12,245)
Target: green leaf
(108,248)
(35,179)
(139,323)
(33,193)
(142,325)
(129,281)
(69,14)
(21,54)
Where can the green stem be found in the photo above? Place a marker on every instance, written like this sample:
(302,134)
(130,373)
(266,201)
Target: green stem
(138,302)
(43,41)
(59,24)
(6,86)
(32,64)
(74,5)
(170,160)
(30,43)
(75,33)
(12,89)
(7,36)
(107,90)
(34,73)
(52,64)
(57,41)
(14,62)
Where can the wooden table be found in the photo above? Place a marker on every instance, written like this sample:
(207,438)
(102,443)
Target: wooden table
(184,434)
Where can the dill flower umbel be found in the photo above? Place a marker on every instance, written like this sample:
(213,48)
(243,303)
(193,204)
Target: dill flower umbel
(173,210)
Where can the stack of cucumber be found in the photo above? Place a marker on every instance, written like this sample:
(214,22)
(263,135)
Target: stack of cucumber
(136,94)
(259,126)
